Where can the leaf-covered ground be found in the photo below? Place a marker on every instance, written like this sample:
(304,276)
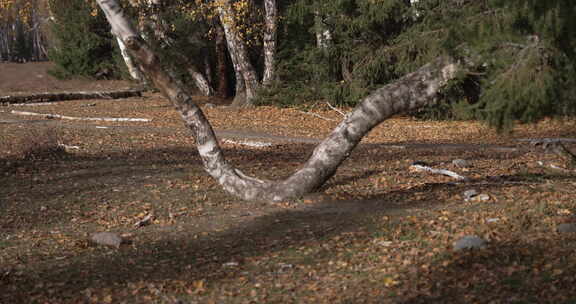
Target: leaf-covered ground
(377,232)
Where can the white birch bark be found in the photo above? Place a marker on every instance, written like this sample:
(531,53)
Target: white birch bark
(200,81)
(238,51)
(413,91)
(271,20)
(132,68)
(323,34)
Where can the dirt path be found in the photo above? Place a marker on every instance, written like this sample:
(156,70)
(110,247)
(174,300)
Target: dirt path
(249,137)
(33,77)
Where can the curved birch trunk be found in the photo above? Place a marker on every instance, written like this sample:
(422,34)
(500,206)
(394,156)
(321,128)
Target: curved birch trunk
(271,20)
(238,52)
(410,92)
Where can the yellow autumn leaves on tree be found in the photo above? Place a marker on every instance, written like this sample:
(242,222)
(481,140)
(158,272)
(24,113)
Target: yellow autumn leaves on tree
(11,10)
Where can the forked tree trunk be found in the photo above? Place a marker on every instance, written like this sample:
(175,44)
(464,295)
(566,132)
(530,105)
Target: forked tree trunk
(271,20)
(413,91)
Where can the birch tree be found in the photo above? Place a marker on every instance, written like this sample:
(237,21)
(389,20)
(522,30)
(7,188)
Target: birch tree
(246,77)
(412,91)
(270,36)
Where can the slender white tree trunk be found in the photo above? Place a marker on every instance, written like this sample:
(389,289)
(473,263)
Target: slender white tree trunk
(200,81)
(271,19)
(413,91)
(132,68)
(323,34)
(238,51)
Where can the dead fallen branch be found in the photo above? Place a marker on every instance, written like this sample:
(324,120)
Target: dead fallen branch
(421,168)
(254,144)
(60,96)
(336,109)
(554,167)
(56,116)
(317,115)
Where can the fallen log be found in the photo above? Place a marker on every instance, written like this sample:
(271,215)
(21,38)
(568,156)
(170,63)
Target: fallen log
(53,116)
(424,168)
(60,96)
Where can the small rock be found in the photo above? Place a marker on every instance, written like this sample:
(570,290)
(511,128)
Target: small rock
(107,239)
(469,242)
(492,220)
(230,264)
(566,227)
(468,194)
(461,163)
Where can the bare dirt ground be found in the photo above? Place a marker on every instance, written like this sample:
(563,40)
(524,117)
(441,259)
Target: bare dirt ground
(377,232)
(33,77)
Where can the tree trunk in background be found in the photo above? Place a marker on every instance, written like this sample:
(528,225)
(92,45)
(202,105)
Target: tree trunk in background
(323,34)
(271,19)
(412,91)
(221,63)
(200,81)
(158,27)
(22,31)
(239,55)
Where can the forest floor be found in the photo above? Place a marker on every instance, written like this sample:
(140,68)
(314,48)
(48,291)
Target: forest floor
(377,232)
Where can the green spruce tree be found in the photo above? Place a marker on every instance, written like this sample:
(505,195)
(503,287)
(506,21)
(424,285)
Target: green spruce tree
(84,46)
(520,53)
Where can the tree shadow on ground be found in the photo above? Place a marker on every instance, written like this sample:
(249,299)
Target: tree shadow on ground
(513,272)
(179,253)
(183,252)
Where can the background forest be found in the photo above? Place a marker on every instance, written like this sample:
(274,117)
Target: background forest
(522,51)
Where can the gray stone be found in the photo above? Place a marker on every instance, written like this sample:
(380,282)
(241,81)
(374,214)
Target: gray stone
(107,239)
(461,163)
(469,242)
(566,227)
(468,194)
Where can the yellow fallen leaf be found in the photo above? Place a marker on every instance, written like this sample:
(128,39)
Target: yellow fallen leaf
(390,282)
(107,299)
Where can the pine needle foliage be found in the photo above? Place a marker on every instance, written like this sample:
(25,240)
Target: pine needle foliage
(520,53)
(85,46)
